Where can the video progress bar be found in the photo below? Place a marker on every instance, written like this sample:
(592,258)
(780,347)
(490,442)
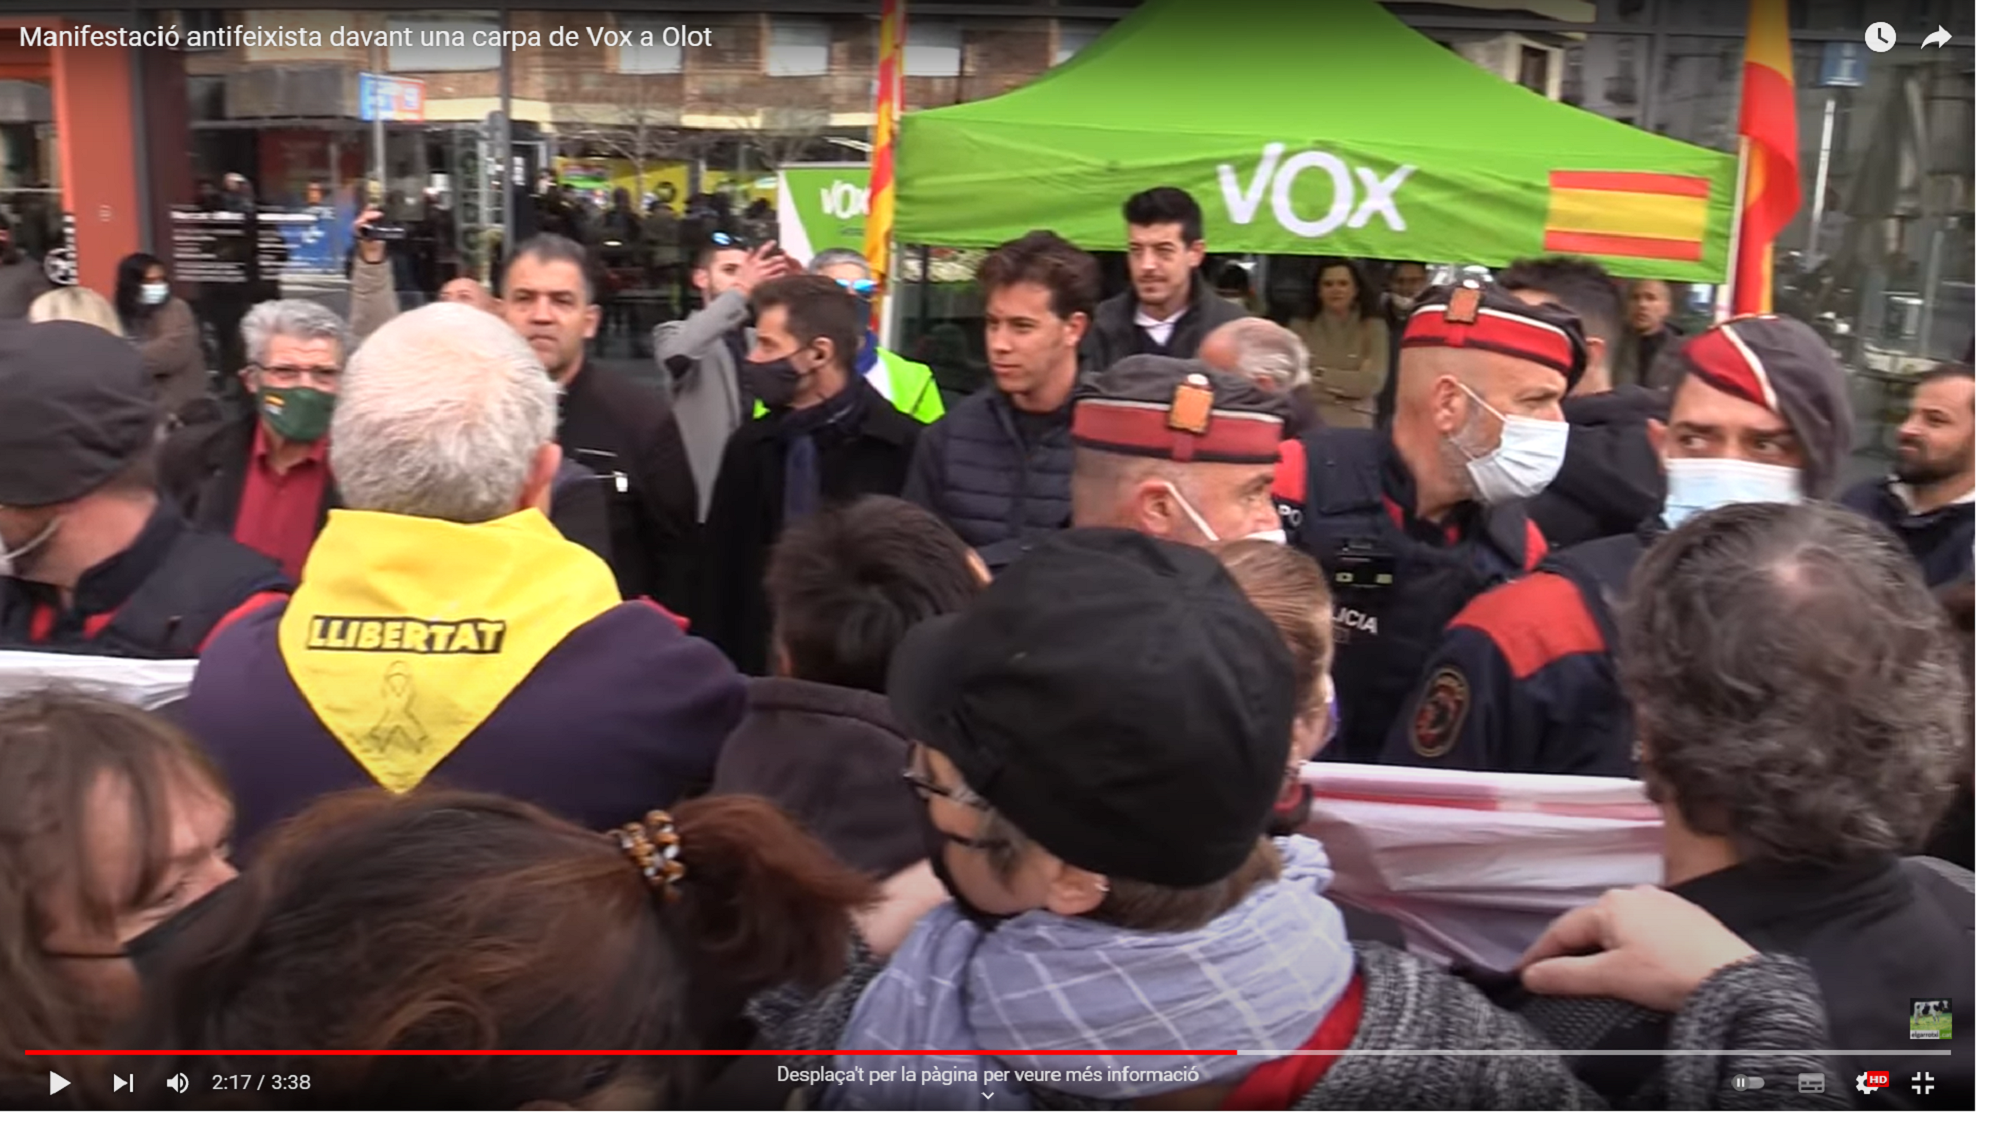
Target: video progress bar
(1594,1053)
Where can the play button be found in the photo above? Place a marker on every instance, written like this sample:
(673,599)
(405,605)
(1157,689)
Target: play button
(56,1083)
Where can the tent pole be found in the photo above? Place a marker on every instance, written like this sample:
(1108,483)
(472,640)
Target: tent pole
(1725,296)
(923,289)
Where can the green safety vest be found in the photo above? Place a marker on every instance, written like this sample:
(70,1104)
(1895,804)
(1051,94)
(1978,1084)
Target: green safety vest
(912,387)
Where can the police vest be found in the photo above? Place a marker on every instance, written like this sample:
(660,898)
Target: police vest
(1393,595)
(202,579)
(909,386)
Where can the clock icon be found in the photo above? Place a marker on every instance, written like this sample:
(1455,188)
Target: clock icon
(1879,37)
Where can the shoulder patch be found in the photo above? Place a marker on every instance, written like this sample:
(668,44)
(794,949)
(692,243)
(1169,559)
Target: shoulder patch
(1534,621)
(1441,714)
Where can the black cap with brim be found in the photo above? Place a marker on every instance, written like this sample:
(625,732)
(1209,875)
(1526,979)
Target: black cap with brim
(76,407)
(1117,698)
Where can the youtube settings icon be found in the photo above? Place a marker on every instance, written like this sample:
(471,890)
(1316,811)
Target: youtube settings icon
(1870,1082)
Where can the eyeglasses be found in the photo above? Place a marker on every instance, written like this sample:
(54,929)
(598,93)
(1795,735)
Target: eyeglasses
(325,376)
(859,288)
(925,788)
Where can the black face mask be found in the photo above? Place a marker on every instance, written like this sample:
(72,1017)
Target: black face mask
(148,950)
(934,844)
(775,382)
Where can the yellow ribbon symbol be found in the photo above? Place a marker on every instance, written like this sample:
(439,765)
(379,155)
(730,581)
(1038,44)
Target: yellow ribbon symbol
(398,722)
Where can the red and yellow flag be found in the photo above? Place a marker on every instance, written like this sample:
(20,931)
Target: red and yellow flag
(1768,124)
(888,111)
(1627,214)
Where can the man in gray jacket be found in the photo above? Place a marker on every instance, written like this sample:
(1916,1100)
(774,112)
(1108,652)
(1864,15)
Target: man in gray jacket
(701,354)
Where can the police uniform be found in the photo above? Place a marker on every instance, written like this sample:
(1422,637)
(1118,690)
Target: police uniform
(1525,678)
(1348,499)
(76,409)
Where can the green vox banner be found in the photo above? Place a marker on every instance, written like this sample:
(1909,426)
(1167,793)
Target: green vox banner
(821,206)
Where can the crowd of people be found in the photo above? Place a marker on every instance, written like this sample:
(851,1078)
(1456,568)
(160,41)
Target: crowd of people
(779,707)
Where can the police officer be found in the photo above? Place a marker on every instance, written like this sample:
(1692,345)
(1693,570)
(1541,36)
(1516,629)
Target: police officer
(93,562)
(1525,679)
(1176,450)
(1412,523)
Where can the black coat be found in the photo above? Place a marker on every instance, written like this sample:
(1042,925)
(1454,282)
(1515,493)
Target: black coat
(624,433)
(202,469)
(1114,334)
(869,457)
(1611,481)
(1940,539)
(976,470)
(1879,934)
(833,758)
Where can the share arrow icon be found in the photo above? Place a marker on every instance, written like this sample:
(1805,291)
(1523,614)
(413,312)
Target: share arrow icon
(1936,38)
(56,1083)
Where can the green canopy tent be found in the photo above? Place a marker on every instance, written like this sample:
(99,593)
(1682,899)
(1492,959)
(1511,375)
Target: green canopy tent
(1311,127)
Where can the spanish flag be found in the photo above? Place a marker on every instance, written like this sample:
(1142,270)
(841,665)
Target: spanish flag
(1627,214)
(888,111)
(1768,124)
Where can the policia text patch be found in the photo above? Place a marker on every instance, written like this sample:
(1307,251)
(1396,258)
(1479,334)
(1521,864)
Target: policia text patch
(404,633)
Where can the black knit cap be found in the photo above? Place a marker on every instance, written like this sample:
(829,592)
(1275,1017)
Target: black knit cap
(1115,696)
(76,406)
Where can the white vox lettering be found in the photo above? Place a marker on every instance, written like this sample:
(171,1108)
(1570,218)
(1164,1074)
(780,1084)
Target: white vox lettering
(842,200)
(1278,180)
(1243,208)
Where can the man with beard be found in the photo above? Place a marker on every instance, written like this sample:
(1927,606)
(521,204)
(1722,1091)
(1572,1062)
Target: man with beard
(1527,677)
(1168,309)
(1928,501)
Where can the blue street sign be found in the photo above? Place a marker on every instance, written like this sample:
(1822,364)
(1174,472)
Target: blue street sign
(1843,64)
(391,99)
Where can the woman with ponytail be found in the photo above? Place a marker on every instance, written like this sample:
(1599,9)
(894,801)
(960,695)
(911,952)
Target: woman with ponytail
(461,921)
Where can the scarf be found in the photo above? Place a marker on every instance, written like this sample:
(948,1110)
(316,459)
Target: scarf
(406,633)
(801,430)
(1261,976)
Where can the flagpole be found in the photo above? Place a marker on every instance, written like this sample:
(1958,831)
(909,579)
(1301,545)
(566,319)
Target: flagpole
(1725,298)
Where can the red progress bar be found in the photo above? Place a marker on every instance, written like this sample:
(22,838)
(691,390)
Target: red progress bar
(630,1052)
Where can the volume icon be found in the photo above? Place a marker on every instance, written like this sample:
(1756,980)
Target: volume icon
(178,1082)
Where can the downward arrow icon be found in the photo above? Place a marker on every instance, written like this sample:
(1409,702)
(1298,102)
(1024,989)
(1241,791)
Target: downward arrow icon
(56,1083)
(988,1095)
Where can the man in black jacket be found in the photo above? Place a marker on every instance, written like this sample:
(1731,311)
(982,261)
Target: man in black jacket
(1928,502)
(621,431)
(1801,716)
(92,561)
(1611,480)
(1168,309)
(996,468)
(829,438)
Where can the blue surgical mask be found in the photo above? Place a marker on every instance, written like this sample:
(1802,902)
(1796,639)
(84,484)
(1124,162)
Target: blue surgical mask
(153,292)
(1697,484)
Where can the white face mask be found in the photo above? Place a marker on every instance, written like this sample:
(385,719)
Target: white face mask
(153,292)
(9,553)
(1697,484)
(1277,534)
(1529,455)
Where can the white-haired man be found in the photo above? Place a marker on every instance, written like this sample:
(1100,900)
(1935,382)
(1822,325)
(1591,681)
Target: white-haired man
(444,628)
(1272,356)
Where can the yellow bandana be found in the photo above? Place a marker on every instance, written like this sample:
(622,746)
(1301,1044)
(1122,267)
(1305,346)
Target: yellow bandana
(406,633)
